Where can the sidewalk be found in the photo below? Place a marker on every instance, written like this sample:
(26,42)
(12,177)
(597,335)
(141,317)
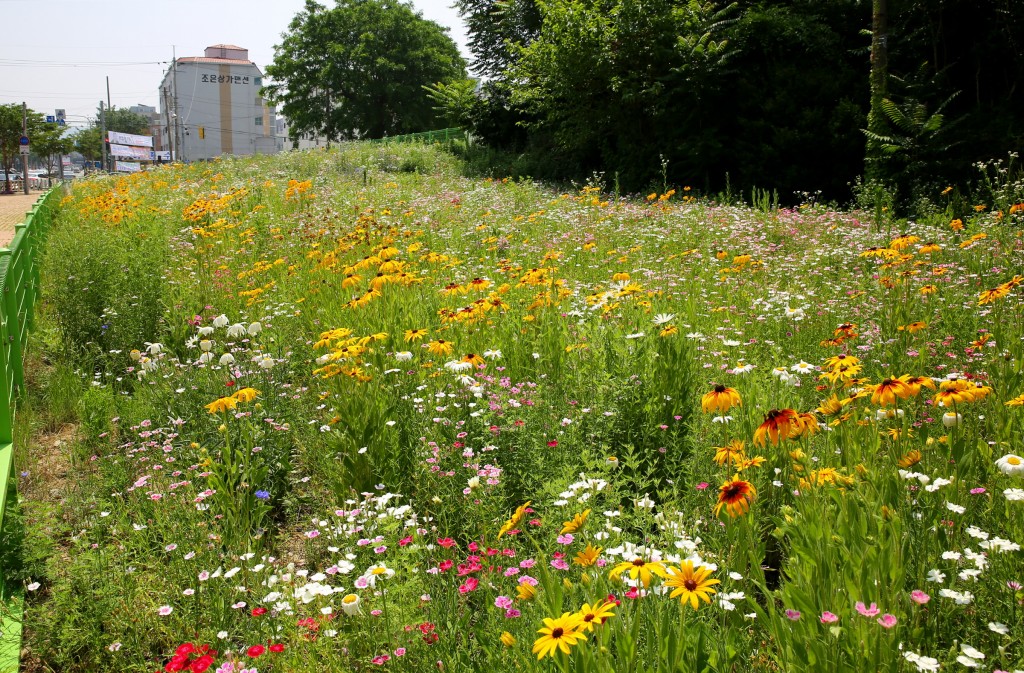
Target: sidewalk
(12,211)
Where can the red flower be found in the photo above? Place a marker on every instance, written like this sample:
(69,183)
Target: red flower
(257,612)
(426,627)
(201,664)
(446,542)
(553,443)
(177,663)
(185,649)
(430,638)
(277,647)
(405,541)
(255,651)
(446,565)
(229,384)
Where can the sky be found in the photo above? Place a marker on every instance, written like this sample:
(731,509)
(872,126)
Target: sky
(58,53)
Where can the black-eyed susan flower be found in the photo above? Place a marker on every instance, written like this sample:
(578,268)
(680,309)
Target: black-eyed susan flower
(414,334)
(885,393)
(778,424)
(587,557)
(440,347)
(507,639)
(224,404)
(639,568)
(562,633)
(595,615)
(691,585)
(841,360)
(909,459)
(730,454)
(575,523)
(516,518)
(720,399)
(735,496)
(915,383)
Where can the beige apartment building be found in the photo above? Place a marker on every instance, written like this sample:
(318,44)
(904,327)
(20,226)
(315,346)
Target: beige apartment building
(210,105)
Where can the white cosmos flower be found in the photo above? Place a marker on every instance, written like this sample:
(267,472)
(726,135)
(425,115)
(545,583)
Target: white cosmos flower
(236,330)
(227,359)
(637,335)
(664,318)
(403,356)
(255,328)
(492,354)
(205,357)
(971,652)
(1011,464)
(951,420)
(350,605)
(1014,494)
(206,345)
(221,321)
(967,661)
(458,365)
(265,362)
(154,348)
(957,509)
(998,627)
(803,368)
(730,343)
(205,330)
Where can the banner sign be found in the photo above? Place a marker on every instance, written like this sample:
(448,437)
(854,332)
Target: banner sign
(129,152)
(129,139)
(164,155)
(127,166)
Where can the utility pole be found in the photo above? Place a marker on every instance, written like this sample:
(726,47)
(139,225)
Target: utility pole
(177,114)
(108,93)
(24,157)
(167,117)
(103,140)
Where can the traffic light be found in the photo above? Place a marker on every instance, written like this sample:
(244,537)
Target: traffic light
(202,133)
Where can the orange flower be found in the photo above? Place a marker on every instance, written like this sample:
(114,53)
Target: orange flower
(720,400)
(735,496)
(886,392)
(778,423)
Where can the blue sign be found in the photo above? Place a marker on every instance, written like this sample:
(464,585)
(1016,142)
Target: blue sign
(97,164)
(23,140)
(50,119)
(61,122)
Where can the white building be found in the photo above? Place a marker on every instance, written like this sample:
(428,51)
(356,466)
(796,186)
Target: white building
(211,106)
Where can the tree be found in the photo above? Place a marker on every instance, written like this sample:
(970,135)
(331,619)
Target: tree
(358,70)
(10,134)
(50,143)
(454,102)
(89,143)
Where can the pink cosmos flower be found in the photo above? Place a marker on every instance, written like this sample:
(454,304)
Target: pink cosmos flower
(887,621)
(400,652)
(470,584)
(702,485)
(503,602)
(867,611)
(559,564)
(919,597)
(829,618)
(793,615)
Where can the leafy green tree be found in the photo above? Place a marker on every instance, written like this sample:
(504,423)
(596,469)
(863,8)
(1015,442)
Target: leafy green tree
(454,102)
(613,80)
(89,143)
(358,70)
(10,134)
(50,143)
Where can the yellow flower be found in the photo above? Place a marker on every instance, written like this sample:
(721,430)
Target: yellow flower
(638,567)
(596,614)
(912,458)
(440,347)
(733,453)
(720,399)
(575,523)
(223,404)
(691,585)
(516,518)
(588,557)
(525,592)
(507,639)
(1016,401)
(414,334)
(246,394)
(562,634)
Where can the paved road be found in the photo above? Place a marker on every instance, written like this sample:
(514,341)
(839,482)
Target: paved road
(12,211)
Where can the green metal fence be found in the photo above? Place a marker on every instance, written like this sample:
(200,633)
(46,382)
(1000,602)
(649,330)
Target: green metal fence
(440,136)
(19,289)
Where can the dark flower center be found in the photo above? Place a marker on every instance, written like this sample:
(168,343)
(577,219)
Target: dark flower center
(690,584)
(557,633)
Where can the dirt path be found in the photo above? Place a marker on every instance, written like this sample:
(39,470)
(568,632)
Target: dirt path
(12,211)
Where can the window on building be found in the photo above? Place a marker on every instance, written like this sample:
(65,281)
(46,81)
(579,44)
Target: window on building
(258,81)
(259,121)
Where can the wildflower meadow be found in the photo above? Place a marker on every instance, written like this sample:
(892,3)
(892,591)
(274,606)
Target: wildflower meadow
(354,411)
